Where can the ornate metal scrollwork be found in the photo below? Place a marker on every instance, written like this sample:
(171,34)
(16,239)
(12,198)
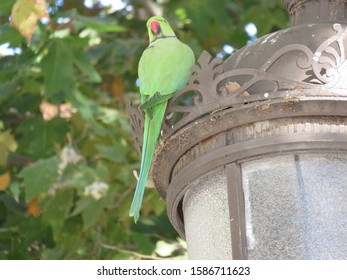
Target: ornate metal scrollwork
(331,61)
(326,65)
(201,84)
(210,89)
(137,123)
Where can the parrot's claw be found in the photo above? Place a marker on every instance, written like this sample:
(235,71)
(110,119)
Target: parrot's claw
(149,183)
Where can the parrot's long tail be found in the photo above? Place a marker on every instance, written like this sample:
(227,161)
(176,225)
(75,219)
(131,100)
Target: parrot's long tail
(152,129)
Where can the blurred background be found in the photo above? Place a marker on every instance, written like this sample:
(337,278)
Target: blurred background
(67,69)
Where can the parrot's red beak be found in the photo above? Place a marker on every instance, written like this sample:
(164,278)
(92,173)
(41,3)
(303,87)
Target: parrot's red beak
(155,27)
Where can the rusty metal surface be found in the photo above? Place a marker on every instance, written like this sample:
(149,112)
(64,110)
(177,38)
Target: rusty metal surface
(303,11)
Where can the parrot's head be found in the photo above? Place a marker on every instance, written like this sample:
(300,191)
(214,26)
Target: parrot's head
(158,27)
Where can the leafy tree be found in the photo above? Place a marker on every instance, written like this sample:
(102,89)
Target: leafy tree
(66,151)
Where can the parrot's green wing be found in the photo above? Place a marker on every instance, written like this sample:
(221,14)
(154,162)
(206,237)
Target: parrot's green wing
(164,68)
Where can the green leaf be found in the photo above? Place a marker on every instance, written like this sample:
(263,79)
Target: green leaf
(100,24)
(81,61)
(57,68)
(7,88)
(280,18)
(92,212)
(143,243)
(158,204)
(203,17)
(30,231)
(8,34)
(57,208)
(39,136)
(11,203)
(24,102)
(15,189)
(6,6)
(39,177)
(91,209)
(81,205)
(87,108)
(115,153)
(117,233)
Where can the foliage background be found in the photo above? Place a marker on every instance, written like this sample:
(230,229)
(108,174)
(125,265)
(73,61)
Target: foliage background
(66,152)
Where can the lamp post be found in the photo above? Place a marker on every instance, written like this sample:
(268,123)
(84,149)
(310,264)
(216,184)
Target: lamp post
(254,167)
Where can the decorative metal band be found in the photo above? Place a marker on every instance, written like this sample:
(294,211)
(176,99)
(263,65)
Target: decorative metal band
(208,126)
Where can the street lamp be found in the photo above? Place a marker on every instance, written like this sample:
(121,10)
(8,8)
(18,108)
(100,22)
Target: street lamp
(254,166)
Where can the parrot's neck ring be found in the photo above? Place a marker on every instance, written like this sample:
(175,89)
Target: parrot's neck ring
(162,37)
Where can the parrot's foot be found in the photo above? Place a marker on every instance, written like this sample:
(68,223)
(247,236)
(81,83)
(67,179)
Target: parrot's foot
(149,183)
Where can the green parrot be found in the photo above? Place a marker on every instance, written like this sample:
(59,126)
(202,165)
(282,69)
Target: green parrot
(164,68)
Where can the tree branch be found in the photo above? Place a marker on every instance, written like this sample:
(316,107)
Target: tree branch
(135,254)
(153,8)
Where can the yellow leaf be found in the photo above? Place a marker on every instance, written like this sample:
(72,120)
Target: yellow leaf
(26,13)
(7,144)
(7,140)
(32,207)
(4,181)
